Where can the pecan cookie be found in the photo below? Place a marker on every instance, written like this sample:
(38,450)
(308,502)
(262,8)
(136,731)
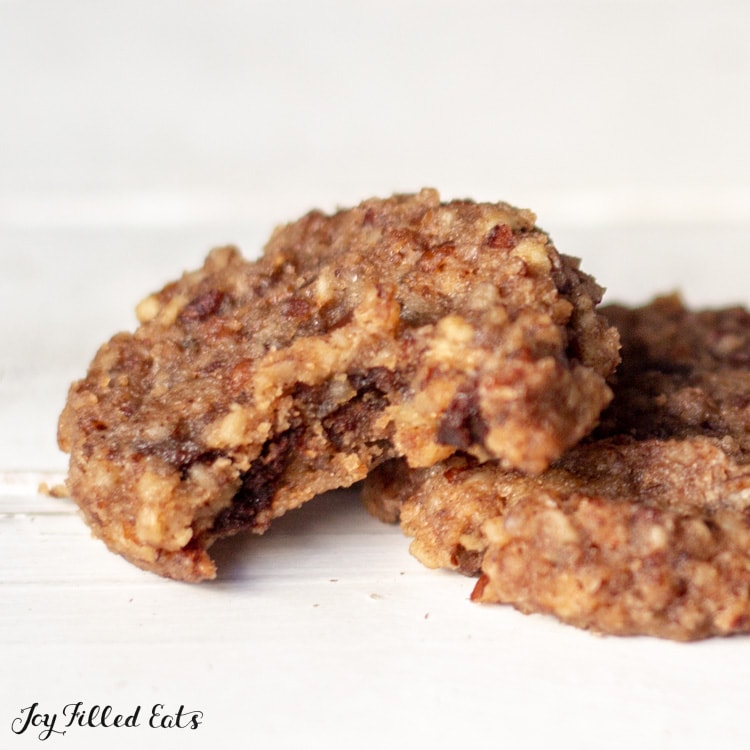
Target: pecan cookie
(643,528)
(401,327)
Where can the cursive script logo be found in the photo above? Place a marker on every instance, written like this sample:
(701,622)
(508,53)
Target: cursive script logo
(31,718)
(76,715)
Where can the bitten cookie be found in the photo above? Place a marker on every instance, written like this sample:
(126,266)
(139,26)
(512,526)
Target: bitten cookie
(401,327)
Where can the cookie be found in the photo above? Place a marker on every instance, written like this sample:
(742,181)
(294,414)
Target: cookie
(643,528)
(401,327)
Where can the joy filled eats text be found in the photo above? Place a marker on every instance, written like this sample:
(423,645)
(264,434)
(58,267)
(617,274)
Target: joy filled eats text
(33,720)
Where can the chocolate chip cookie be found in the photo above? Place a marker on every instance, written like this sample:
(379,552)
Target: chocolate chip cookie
(644,527)
(401,327)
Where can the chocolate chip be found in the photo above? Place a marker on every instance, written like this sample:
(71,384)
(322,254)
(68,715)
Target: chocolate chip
(462,424)
(202,306)
(259,483)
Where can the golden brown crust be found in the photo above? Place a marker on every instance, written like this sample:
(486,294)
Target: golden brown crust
(673,564)
(644,528)
(399,327)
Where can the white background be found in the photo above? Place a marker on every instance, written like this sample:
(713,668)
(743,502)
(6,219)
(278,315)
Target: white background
(134,136)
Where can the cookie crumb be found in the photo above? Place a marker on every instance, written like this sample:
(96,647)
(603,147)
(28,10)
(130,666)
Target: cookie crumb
(59,491)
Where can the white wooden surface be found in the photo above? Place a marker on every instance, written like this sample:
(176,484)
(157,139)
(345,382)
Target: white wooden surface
(134,136)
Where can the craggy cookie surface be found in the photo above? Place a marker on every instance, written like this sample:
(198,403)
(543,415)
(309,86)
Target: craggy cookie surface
(642,529)
(401,327)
